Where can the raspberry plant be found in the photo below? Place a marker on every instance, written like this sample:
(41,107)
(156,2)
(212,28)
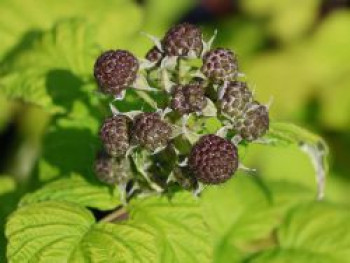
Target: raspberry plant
(160,177)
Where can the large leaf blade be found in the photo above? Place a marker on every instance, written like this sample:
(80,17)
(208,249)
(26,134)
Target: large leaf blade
(180,229)
(76,189)
(62,232)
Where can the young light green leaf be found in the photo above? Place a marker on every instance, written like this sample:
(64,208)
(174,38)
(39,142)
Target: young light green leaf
(240,217)
(7,184)
(76,189)
(71,143)
(287,195)
(229,205)
(55,59)
(20,19)
(181,233)
(291,256)
(312,233)
(313,145)
(62,232)
(281,133)
(226,252)
(319,228)
(68,45)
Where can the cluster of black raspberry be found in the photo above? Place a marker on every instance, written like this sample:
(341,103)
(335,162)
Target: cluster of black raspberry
(119,133)
(134,140)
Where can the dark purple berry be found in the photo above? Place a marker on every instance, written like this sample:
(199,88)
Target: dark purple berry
(115,70)
(254,123)
(181,39)
(150,131)
(111,170)
(114,134)
(213,160)
(235,99)
(188,98)
(220,65)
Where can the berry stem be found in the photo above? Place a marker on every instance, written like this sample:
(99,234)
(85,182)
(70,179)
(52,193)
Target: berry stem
(119,214)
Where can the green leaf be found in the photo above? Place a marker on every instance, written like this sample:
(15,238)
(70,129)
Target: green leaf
(227,252)
(288,20)
(289,96)
(181,233)
(9,196)
(62,232)
(68,45)
(313,145)
(19,19)
(228,207)
(239,217)
(312,232)
(319,228)
(286,195)
(60,58)
(7,184)
(76,189)
(71,143)
(158,230)
(293,256)
(327,56)
(288,133)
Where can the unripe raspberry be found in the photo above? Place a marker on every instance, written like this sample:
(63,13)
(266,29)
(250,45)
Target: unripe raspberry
(184,178)
(255,122)
(220,65)
(154,55)
(150,131)
(181,39)
(114,134)
(213,160)
(235,99)
(110,170)
(188,98)
(115,70)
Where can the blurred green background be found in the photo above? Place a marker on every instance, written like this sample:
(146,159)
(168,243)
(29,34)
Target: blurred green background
(296,51)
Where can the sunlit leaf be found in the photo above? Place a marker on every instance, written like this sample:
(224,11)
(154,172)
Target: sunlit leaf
(76,189)
(181,233)
(62,232)
(116,21)
(312,233)
(313,145)
(53,68)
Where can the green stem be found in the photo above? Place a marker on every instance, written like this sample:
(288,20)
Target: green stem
(147,98)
